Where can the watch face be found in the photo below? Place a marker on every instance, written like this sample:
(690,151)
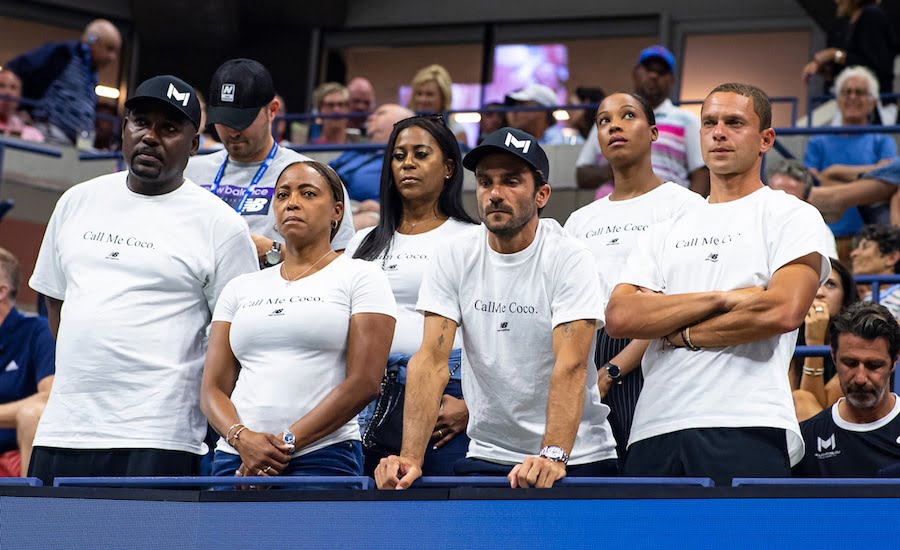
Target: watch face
(613,371)
(554,452)
(273,257)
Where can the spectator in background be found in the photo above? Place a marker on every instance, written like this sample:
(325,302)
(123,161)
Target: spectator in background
(282,125)
(242,106)
(858,436)
(676,154)
(582,120)
(863,35)
(107,137)
(841,158)
(793,178)
(362,101)
(432,92)
(878,253)
(421,211)
(327,321)
(11,123)
(27,362)
(61,77)
(540,124)
(132,264)
(361,170)
(491,121)
(331,98)
(812,378)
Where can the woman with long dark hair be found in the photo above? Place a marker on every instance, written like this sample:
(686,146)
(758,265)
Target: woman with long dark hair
(297,350)
(610,227)
(813,378)
(421,208)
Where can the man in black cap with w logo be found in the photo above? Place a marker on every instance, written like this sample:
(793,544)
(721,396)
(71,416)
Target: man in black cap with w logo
(138,258)
(242,106)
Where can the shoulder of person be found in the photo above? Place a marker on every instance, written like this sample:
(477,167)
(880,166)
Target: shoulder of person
(220,211)
(94,185)
(779,204)
(561,242)
(290,155)
(817,423)
(204,162)
(356,240)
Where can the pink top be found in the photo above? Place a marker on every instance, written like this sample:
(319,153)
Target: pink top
(16,127)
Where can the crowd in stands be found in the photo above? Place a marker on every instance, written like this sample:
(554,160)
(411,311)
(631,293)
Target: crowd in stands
(352,318)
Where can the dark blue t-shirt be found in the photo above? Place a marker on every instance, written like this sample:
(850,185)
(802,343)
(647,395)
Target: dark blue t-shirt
(361,173)
(27,356)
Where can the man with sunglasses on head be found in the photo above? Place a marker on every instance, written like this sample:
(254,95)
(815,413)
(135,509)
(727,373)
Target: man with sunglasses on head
(242,106)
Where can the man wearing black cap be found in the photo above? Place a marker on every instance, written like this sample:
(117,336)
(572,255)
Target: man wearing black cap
(139,258)
(528,300)
(676,153)
(242,106)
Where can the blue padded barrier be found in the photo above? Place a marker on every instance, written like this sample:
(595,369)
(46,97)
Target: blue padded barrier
(818,482)
(498,481)
(291,482)
(26,481)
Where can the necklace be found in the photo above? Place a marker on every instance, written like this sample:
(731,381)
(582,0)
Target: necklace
(298,277)
(414,225)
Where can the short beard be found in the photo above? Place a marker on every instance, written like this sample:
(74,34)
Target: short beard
(865,400)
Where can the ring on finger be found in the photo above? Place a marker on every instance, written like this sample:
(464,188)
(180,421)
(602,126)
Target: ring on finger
(820,309)
(259,472)
(267,469)
(440,434)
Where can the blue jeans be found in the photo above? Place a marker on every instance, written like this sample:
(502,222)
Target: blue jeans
(341,459)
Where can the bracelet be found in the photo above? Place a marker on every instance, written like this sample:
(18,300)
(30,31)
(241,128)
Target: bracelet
(228,433)
(236,435)
(813,372)
(686,336)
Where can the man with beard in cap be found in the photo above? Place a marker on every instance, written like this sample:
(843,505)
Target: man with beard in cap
(139,258)
(528,300)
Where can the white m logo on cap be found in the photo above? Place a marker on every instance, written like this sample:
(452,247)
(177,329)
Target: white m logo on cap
(825,444)
(173,93)
(524,145)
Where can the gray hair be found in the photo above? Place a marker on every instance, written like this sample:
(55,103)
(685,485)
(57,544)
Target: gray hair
(862,72)
(794,169)
(9,270)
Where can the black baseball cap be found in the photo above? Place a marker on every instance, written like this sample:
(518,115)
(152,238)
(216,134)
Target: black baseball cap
(515,142)
(239,88)
(172,91)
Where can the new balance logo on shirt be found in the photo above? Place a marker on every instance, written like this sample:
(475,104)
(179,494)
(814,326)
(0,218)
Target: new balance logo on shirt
(113,256)
(714,257)
(613,242)
(277,313)
(504,327)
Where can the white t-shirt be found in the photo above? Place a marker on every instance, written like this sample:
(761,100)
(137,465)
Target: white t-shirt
(675,154)
(291,341)
(611,229)
(723,246)
(404,266)
(140,276)
(258,211)
(507,306)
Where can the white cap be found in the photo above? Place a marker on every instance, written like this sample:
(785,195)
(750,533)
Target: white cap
(539,93)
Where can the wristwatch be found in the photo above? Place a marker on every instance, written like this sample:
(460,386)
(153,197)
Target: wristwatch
(554,453)
(613,371)
(273,255)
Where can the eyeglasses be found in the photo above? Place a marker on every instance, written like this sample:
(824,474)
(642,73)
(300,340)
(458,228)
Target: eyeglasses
(849,92)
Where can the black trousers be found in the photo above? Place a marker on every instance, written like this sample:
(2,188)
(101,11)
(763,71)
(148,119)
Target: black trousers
(48,463)
(717,453)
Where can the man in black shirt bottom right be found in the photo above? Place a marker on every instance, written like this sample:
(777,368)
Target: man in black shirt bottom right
(860,434)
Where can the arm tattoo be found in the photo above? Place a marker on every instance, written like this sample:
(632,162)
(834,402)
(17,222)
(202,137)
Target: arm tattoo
(444,326)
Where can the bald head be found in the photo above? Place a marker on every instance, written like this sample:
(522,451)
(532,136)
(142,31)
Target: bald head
(104,41)
(381,122)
